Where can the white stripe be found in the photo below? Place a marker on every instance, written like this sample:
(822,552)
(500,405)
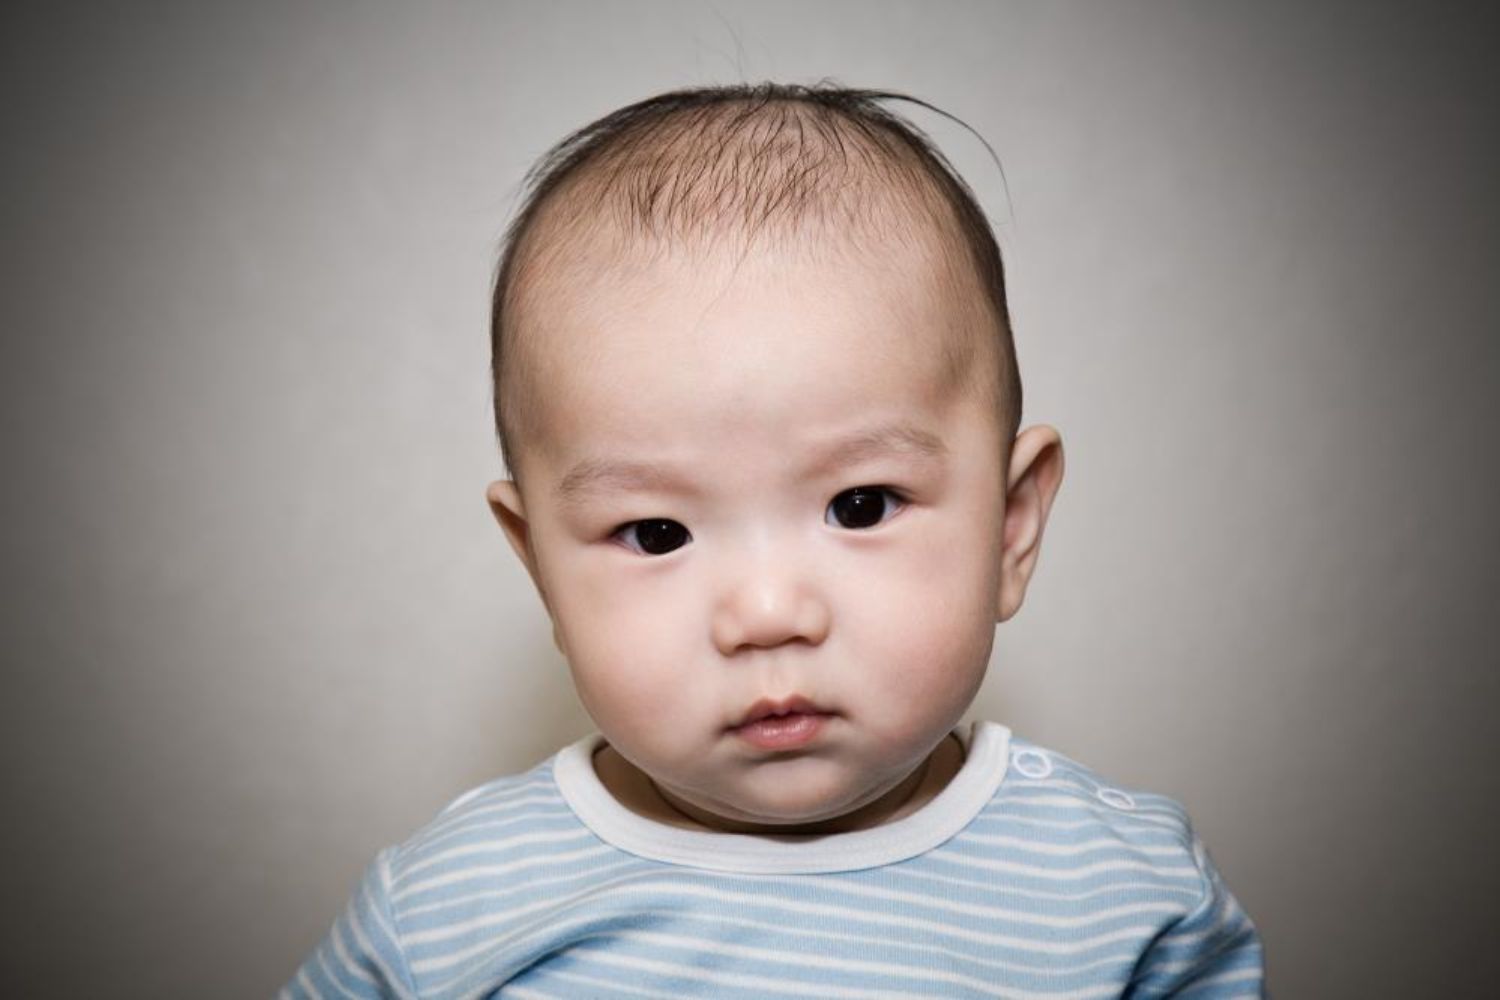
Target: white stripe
(1229,912)
(465,805)
(939,927)
(1064,874)
(761,983)
(988,886)
(777,958)
(493,847)
(1059,850)
(997,818)
(369,949)
(836,888)
(848,888)
(478,826)
(345,957)
(1007,802)
(562,929)
(491,871)
(1070,792)
(612,985)
(447,822)
(495,802)
(824,989)
(865,940)
(524,993)
(1086,782)
(653,881)
(307,984)
(1176,968)
(462,902)
(1223,978)
(328,971)
(469,928)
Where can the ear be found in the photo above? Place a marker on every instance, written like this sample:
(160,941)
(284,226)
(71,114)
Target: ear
(1036,471)
(505,503)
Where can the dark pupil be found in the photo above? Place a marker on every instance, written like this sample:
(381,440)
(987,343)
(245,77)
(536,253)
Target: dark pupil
(657,537)
(859,508)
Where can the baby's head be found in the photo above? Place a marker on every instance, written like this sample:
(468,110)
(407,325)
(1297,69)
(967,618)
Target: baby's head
(756,390)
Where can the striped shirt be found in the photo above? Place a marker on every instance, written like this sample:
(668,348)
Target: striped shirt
(1027,876)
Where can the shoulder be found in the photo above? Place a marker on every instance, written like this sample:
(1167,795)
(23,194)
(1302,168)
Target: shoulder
(1048,797)
(1132,845)
(501,819)
(1053,777)
(506,794)
(449,882)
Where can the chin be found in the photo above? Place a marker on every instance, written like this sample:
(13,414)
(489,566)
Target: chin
(793,817)
(800,809)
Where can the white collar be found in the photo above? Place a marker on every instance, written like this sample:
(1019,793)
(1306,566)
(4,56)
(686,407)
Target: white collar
(986,746)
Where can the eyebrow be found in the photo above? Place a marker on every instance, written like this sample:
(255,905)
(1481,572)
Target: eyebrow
(601,475)
(876,442)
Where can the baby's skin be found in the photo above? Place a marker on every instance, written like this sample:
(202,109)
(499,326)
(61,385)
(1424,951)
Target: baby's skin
(760,479)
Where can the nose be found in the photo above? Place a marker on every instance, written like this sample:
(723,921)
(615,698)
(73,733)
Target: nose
(767,602)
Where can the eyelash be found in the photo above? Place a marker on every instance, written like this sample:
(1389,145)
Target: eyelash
(893,501)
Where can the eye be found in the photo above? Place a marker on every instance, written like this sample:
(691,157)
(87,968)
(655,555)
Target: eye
(863,506)
(654,536)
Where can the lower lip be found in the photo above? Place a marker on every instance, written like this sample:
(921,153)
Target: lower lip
(783,732)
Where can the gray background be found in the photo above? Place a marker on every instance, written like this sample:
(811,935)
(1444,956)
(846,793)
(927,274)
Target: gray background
(258,622)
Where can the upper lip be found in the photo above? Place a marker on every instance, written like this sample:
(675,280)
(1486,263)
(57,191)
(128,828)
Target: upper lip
(767,707)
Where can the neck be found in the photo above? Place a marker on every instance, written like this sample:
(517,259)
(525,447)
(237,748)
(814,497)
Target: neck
(637,792)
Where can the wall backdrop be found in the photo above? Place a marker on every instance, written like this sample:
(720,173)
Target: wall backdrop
(258,621)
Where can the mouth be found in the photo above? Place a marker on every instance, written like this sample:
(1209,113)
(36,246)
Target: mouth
(785,724)
(767,708)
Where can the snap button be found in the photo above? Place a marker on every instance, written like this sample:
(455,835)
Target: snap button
(1032,763)
(1115,797)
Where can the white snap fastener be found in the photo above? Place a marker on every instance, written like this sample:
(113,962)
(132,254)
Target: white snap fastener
(1115,797)
(1032,763)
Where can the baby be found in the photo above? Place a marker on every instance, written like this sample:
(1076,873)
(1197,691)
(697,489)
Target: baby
(758,398)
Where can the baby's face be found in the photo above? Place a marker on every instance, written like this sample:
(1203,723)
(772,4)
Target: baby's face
(757,484)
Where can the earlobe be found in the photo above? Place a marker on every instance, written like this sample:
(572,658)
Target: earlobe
(1036,471)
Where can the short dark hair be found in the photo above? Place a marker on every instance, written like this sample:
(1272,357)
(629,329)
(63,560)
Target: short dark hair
(699,160)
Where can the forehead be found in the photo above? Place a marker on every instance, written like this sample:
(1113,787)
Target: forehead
(691,348)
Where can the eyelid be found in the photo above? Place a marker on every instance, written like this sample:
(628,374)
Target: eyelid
(894,491)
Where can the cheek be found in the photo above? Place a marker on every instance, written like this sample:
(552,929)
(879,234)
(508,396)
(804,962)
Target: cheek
(630,648)
(927,644)
(931,621)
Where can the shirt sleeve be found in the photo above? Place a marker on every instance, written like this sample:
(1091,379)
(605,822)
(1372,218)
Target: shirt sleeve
(361,957)
(1212,953)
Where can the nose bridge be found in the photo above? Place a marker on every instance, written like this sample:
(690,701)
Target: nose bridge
(769,593)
